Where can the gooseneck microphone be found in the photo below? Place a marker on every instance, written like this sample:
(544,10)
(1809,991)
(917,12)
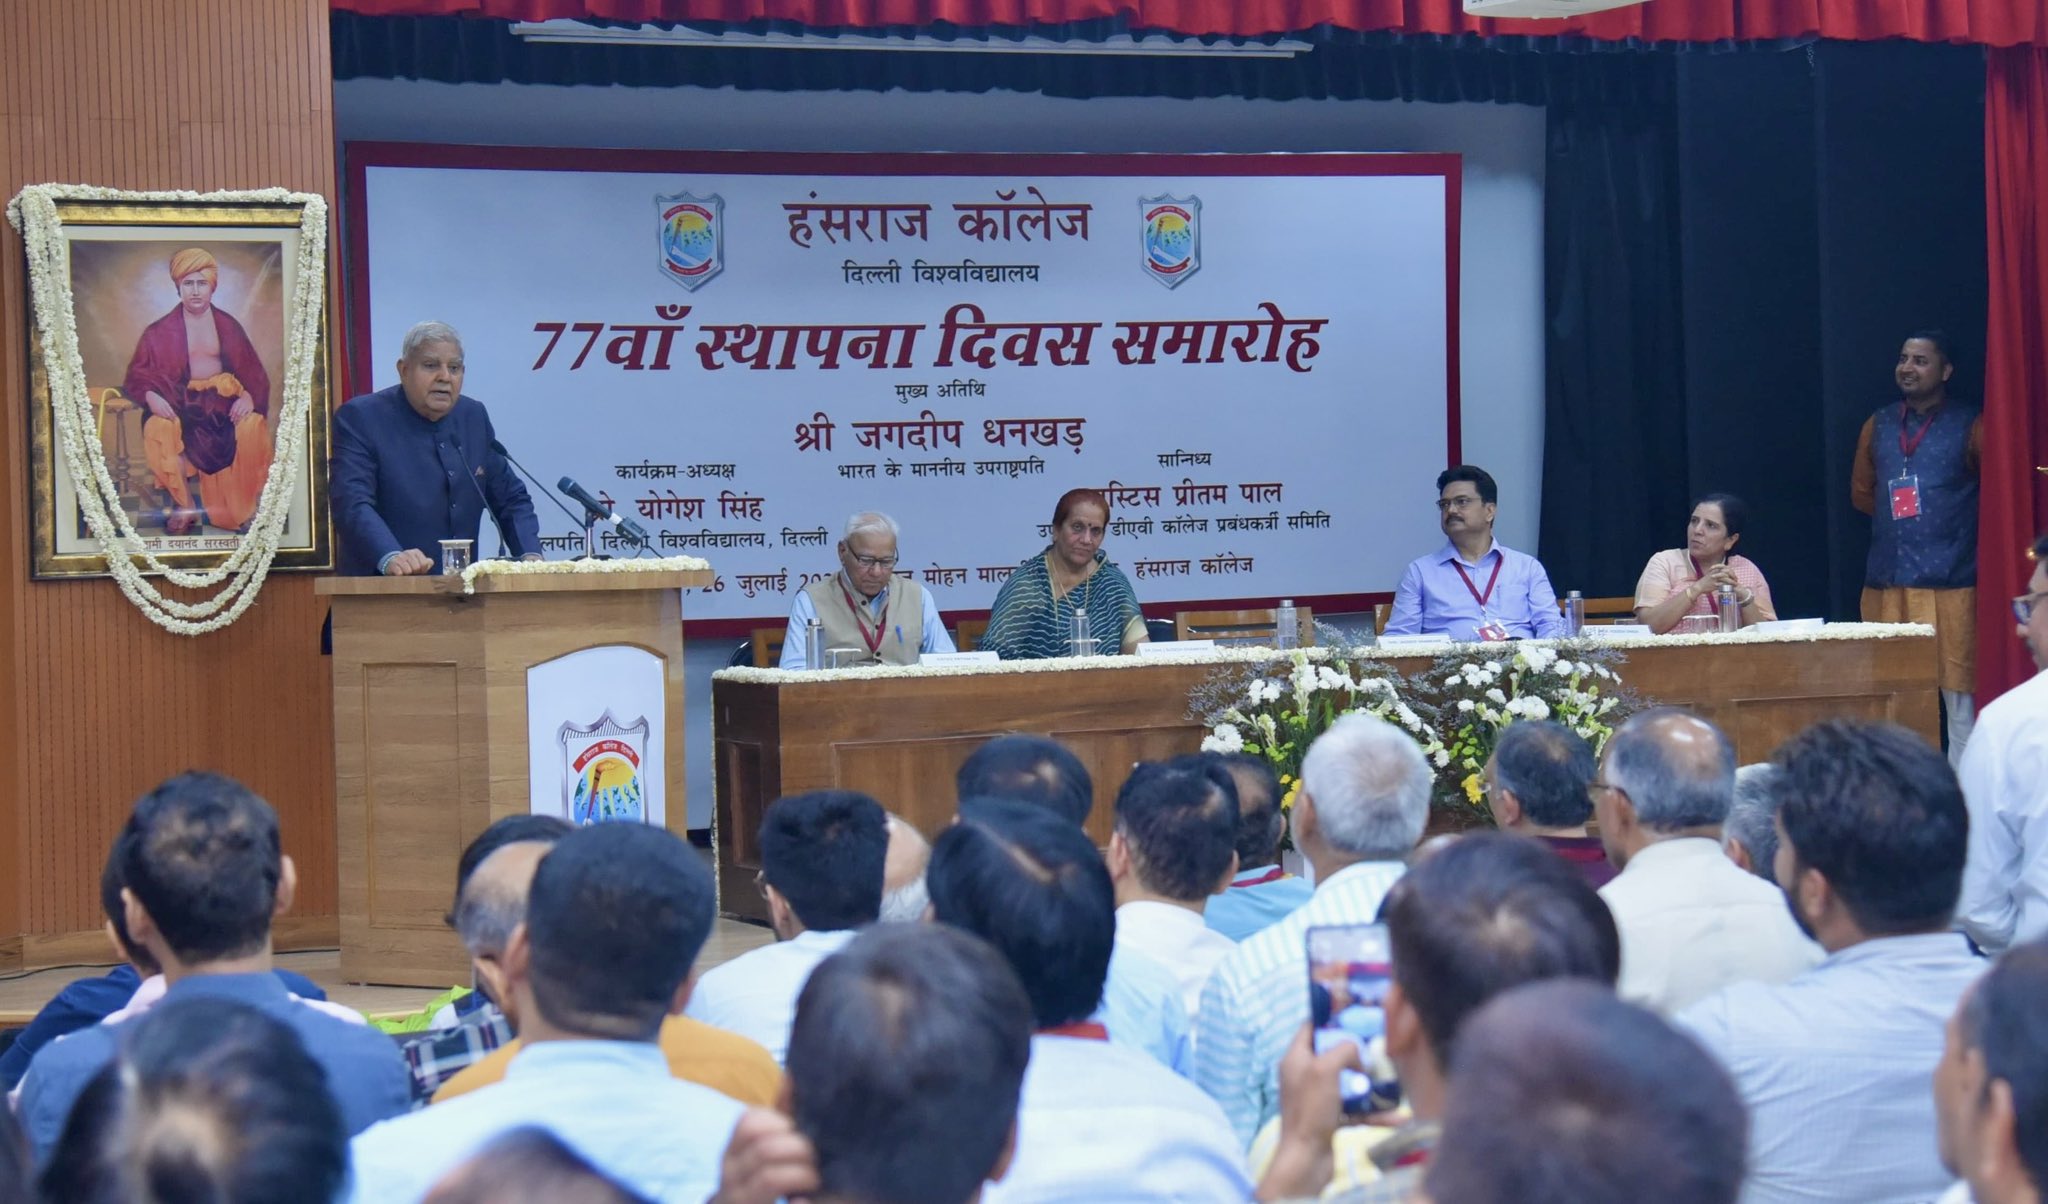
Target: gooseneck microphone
(629,530)
(469,472)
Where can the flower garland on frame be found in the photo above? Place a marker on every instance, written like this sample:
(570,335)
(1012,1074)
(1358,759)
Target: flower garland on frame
(34,212)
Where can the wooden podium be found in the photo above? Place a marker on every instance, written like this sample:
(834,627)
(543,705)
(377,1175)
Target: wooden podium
(430,735)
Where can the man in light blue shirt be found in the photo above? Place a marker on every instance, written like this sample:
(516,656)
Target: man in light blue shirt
(865,610)
(1261,893)
(1141,1003)
(1363,804)
(614,922)
(1473,588)
(1098,1122)
(1836,1064)
(205,872)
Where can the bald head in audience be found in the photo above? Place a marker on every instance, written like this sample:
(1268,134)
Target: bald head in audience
(1665,774)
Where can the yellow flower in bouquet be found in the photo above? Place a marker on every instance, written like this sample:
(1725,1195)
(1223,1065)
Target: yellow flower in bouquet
(1473,788)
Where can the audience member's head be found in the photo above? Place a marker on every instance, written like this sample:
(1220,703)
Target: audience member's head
(1030,769)
(1563,1094)
(1475,918)
(1175,828)
(113,880)
(1541,778)
(903,895)
(512,829)
(821,860)
(1750,833)
(1991,1088)
(530,1165)
(204,872)
(491,905)
(1665,773)
(614,922)
(1031,884)
(1260,821)
(905,1063)
(1364,795)
(2033,631)
(1872,833)
(207,1100)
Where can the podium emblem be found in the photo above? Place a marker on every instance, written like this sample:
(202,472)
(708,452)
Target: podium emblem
(601,768)
(691,234)
(1172,238)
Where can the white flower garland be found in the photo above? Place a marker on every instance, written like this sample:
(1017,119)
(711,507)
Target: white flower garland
(1253,655)
(530,568)
(34,212)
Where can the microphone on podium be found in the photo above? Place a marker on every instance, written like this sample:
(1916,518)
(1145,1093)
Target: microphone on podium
(629,530)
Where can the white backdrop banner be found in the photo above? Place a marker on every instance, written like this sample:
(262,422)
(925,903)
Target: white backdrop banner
(594,746)
(1253,357)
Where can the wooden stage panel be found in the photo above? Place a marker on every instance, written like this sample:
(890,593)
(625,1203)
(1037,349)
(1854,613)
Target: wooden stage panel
(409,714)
(901,738)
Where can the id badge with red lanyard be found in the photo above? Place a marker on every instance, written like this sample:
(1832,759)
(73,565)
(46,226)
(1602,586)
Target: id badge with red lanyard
(1905,489)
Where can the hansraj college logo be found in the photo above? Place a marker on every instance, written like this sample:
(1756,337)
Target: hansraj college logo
(692,238)
(1172,235)
(601,767)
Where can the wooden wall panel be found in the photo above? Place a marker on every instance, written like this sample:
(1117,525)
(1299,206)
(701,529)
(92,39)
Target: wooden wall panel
(97,704)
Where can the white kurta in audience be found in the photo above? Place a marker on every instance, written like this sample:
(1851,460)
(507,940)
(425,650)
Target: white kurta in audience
(1691,920)
(2005,781)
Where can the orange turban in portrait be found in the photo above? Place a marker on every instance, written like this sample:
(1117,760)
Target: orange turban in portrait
(194,259)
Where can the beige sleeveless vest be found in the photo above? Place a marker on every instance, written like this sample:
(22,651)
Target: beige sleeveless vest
(903,612)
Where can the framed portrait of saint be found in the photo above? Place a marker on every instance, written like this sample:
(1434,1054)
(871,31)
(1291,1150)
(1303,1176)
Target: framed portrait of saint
(183,313)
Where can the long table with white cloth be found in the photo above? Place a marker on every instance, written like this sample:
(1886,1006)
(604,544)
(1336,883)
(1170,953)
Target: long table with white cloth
(899,733)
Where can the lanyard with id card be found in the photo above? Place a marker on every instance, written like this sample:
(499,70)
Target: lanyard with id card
(1905,490)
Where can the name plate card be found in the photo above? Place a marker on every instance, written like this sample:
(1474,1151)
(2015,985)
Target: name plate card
(983,657)
(1172,648)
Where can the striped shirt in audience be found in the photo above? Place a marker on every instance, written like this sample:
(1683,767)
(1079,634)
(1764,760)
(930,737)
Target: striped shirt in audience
(1258,997)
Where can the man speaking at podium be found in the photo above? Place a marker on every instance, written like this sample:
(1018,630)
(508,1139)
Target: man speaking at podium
(413,465)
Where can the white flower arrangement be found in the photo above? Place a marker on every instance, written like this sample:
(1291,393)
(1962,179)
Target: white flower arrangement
(34,212)
(1481,688)
(531,568)
(1289,702)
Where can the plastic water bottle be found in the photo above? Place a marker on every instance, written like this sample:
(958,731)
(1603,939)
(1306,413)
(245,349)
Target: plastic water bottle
(1286,627)
(814,645)
(1574,614)
(1729,610)
(1079,643)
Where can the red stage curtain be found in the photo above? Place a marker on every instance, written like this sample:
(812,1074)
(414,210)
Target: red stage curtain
(2015,496)
(1986,22)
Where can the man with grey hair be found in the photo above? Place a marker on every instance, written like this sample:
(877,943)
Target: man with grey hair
(865,612)
(1363,803)
(904,899)
(1691,921)
(1750,835)
(412,465)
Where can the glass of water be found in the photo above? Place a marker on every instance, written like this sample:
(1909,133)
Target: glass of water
(454,557)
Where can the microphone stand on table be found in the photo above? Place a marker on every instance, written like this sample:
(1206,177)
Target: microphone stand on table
(593,513)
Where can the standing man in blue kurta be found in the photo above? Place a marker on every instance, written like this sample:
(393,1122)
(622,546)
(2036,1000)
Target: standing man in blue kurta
(1915,475)
(413,466)
(1472,588)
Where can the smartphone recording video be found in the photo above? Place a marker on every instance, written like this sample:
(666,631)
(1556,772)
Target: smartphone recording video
(1349,969)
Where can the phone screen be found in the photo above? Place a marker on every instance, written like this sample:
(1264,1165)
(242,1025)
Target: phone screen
(1349,969)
